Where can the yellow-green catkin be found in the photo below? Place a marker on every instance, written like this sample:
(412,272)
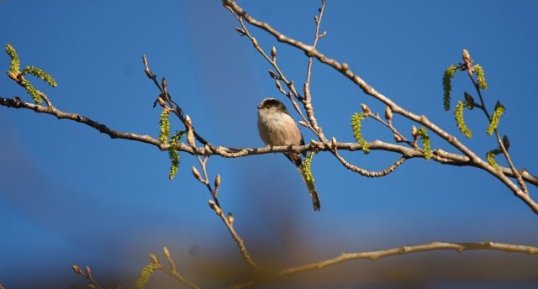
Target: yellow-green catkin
(495,118)
(164,126)
(423,133)
(356,124)
(460,121)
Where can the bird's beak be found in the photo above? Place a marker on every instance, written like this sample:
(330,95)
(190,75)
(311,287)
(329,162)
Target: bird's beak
(259,106)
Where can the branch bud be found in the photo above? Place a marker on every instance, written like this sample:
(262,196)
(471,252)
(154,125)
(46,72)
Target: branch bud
(77,270)
(414,132)
(278,85)
(506,142)
(230,219)
(397,137)
(188,121)
(303,123)
(190,132)
(469,100)
(166,253)
(273,52)
(214,207)
(154,259)
(333,143)
(466,56)
(273,75)
(217,181)
(241,31)
(388,113)
(365,109)
(196,174)
(88,271)
(164,85)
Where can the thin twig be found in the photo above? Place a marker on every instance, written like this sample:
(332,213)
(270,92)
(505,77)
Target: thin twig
(172,270)
(215,206)
(88,275)
(504,150)
(307,103)
(292,91)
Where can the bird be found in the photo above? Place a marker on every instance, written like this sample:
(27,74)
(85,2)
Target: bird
(277,128)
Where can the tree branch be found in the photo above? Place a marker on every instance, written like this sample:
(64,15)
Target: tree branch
(439,155)
(343,68)
(404,250)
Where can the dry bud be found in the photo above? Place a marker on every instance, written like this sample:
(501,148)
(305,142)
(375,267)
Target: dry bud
(303,123)
(166,253)
(217,181)
(506,142)
(333,142)
(149,74)
(414,131)
(230,219)
(77,270)
(469,100)
(160,100)
(278,85)
(88,271)
(164,85)
(273,52)
(214,207)
(190,132)
(365,109)
(273,75)
(466,56)
(196,174)
(397,138)
(241,31)
(188,121)
(388,113)
(154,259)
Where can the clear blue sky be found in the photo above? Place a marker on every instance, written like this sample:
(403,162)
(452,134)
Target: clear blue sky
(71,195)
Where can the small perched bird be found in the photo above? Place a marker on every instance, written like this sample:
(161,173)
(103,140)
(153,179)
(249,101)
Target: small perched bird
(277,128)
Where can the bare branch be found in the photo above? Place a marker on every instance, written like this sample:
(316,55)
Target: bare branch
(225,218)
(404,250)
(172,270)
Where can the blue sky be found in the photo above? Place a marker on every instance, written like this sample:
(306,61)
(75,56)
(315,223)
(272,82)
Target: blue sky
(71,195)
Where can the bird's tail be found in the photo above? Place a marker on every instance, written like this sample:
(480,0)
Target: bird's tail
(309,181)
(315,198)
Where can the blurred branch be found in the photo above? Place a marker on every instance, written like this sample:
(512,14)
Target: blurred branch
(88,275)
(404,250)
(171,269)
(227,218)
